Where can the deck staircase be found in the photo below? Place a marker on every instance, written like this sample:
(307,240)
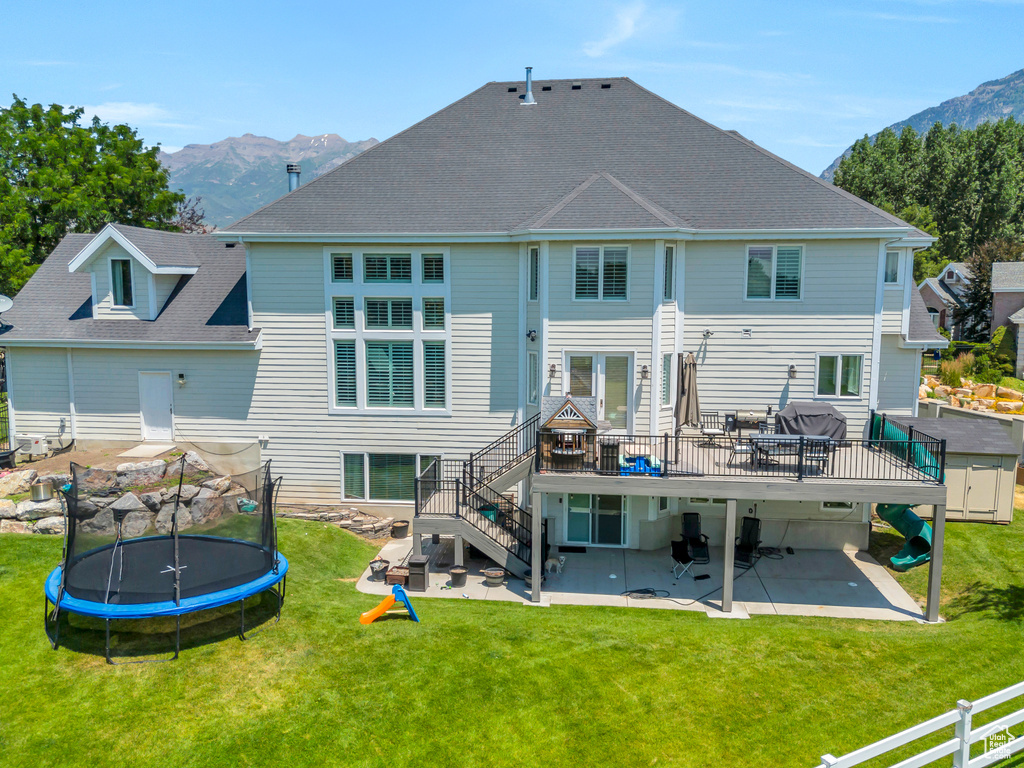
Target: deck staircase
(472,498)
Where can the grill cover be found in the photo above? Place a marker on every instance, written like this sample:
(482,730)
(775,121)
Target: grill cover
(811,419)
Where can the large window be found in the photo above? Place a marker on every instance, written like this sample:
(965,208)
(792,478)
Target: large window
(388,268)
(121,283)
(345,374)
(434,378)
(601,273)
(892,267)
(839,375)
(533,378)
(774,272)
(381,476)
(670,258)
(534,272)
(389,374)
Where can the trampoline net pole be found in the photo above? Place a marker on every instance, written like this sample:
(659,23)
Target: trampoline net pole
(174,534)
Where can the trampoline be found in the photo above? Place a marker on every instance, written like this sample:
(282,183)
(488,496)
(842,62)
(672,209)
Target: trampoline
(125,560)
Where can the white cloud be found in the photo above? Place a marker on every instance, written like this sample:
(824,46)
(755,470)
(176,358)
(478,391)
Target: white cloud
(133,113)
(629,21)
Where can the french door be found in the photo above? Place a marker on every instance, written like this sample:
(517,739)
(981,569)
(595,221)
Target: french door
(593,518)
(606,376)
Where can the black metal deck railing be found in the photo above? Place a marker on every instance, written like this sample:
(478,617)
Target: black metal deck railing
(506,451)
(918,458)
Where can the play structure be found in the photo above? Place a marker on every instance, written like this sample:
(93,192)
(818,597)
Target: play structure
(123,562)
(918,548)
(398,595)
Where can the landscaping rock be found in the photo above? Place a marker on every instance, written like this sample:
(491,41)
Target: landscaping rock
(51,525)
(137,523)
(152,500)
(923,391)
(17,482)
(985,390)
(14,526)
(37,510)
(189,492)
(101,524)
(101,501)
(96,480)
(962,392)
(56,479)
(206,507)
(984,403)
(1006,406)
(942,390)
(164,519)
(1009,394)
(218,484)
(954,401)
(128,503)
(141,473)
(8,510)
(193,460)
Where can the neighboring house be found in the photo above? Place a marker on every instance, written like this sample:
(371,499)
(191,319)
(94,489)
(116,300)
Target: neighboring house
(426,297)
(1008,303)
(944,294)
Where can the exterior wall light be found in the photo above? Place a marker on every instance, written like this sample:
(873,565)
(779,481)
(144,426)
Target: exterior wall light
(792,371)
(552,370)
(645,372)
(531,335)
(181,379)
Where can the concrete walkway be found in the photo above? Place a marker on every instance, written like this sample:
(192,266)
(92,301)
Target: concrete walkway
(848,585)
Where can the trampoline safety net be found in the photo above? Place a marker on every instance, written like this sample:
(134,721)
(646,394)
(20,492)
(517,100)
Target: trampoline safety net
(150,536)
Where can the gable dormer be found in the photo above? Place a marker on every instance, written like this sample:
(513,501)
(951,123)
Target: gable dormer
(126,282)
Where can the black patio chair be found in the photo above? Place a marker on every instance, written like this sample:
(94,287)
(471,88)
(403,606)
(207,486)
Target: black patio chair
(818,452)
(681,557)
(712,426)
(748,542)
(695,540)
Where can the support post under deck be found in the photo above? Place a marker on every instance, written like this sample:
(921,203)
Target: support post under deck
(730,554)
(931,613)
(536,546)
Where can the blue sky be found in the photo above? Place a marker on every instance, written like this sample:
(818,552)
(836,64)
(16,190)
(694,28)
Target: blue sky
(803,79)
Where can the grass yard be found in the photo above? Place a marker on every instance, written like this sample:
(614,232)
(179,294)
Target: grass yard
(500,685)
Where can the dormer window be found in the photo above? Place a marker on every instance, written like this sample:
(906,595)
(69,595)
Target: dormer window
(121,282)
(950,276)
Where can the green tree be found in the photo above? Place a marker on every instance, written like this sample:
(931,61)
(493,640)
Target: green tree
(57,176)
(976,314)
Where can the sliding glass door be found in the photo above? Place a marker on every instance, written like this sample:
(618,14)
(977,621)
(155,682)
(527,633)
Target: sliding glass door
(596,519)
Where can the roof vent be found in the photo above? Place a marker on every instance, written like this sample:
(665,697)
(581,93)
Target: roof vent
(577,85)
(513,89)
(606,85)
(293,169)
(229,245)
(528,100)
(545,87)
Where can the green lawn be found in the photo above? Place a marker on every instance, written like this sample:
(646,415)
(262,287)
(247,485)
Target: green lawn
(477,684)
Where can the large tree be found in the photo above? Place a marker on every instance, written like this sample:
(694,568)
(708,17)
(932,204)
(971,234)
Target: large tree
(975,317)
(58,176)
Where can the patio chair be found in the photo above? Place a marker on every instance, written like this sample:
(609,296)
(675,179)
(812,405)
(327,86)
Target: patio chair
(766,428)
(682,559)
(712,426)
(742,446)
(695,540)
(748,542)
(818,452)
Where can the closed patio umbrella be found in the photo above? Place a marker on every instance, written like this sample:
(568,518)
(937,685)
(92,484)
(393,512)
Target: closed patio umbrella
(687,410)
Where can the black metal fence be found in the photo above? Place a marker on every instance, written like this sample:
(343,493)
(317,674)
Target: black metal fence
(5,425)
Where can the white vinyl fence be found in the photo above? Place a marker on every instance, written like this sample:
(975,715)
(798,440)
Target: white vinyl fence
(999,745)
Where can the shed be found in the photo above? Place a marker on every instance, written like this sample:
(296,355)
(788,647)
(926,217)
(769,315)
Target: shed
(981,466)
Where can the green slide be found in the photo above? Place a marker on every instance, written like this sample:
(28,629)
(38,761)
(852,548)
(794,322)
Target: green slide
(918,549)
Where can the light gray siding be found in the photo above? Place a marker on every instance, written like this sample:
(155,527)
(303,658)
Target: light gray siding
(892,310)
(899,377)
(39,391)
(100,267)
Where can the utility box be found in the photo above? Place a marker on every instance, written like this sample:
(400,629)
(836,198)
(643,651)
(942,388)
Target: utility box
(419,573)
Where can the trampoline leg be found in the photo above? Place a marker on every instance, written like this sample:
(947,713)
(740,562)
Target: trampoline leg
(55,637)
(241,632)
(280,601)
(177,646)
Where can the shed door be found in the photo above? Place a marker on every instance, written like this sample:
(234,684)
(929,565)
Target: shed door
(957,468)
(155,405)
(983,489)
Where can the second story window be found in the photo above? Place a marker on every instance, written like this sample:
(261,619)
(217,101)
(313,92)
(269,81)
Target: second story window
(774,272)
(670,257)
(388,268)
(601,273)
(534,272)
(892,267)
(121,282)
(389,313)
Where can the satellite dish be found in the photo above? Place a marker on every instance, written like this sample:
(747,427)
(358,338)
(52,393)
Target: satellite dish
(5,303)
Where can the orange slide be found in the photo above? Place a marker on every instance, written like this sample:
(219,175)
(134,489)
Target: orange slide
(371,616)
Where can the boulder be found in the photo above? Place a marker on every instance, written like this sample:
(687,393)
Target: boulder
(206,507)
(165,518)
(96,480)
(194,466)
(51,525)
(1003,406)
(984,403)
(193,460)
(963,392)
(8,510)
(37,510)
(985,390)
(923,392)
(128,503)
(101,524)
(1009,394)
(189,492)
(942,390)
(17,482)
(141,473)
(152,500)
(218,484)
(137,523)
(954,401)
(56,479)
(14,526)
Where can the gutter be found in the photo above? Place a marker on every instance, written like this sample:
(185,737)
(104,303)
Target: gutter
(241,346)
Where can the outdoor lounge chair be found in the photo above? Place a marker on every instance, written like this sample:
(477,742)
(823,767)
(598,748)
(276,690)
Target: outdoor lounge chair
(682,559)
(712,426)
(748,542)
(695,540)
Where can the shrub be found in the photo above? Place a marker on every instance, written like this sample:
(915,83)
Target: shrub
(951,371)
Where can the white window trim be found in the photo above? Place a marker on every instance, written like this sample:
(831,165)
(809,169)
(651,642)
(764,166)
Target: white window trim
(359,290)
(600,273)
(848,506)
(701,501)
(366,471)
(774,247)
(898,283)
(839,374)
(626,511)
(131,276)
(532,361)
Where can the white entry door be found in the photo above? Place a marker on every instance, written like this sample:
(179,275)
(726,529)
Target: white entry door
(608,378)
(155,405)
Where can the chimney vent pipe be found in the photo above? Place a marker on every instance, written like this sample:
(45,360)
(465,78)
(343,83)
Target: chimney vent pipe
(528,100)
(294,170)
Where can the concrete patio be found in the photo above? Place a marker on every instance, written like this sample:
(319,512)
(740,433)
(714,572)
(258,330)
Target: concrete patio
(807,583)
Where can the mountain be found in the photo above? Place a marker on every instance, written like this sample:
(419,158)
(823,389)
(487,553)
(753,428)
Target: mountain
(988,102)
(240,174)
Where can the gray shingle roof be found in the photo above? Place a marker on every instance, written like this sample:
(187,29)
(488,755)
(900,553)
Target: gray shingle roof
(943,291)
(921,327)
(1017,317)
(489,164)
(207,307)
(1008,276)
(964,435)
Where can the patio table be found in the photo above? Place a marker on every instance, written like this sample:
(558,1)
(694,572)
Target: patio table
(767,447)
